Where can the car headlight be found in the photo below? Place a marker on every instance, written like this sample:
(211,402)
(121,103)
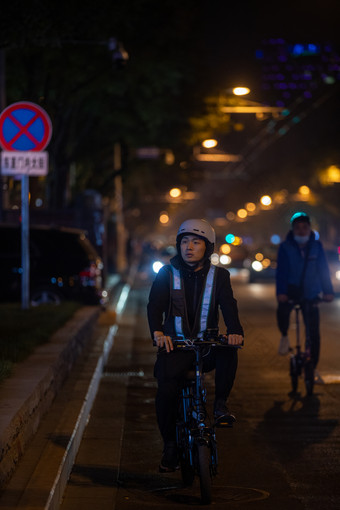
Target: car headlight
(257,266)
(156,266)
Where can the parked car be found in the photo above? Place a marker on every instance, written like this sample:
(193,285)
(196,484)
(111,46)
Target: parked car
(63,265)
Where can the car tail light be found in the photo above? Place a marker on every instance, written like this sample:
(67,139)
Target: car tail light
(91,276)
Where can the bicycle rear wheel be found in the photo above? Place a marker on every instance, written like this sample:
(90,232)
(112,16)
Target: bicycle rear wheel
(204,456)
(309,377)
(294,373)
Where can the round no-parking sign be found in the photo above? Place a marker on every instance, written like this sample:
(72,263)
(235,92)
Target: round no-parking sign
(24,126)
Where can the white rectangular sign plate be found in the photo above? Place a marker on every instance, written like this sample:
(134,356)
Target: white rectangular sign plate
(31,163)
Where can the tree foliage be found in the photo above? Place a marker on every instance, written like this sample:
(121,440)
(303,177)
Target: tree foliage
(58,55)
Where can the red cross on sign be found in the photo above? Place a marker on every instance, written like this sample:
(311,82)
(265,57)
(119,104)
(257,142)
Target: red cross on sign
(24,126)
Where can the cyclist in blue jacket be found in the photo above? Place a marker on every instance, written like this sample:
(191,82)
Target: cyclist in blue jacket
(302,275)
(184,302)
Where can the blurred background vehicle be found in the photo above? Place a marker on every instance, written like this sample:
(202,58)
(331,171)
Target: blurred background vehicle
(262,264)
(333,257)
(63,265)
(154,257)
(258,272)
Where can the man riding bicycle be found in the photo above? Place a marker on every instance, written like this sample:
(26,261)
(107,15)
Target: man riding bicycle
(183,303)
(302,275)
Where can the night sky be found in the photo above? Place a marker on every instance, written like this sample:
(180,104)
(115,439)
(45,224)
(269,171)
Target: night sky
(234,32)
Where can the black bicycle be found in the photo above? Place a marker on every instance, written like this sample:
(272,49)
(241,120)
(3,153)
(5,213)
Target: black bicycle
(300,360)
(195,431)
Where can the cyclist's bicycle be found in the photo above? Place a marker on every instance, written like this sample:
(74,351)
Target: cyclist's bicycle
(196,435)
(300,360)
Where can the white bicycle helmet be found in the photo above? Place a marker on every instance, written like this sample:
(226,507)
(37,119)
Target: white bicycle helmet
(199,227)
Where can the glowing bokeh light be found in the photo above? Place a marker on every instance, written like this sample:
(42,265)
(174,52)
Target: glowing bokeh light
(237,241)
(215,259)
(250,206)
(225,249)
(164,218)
(210,143)
(225,259)
(242,213)
(304,190)
(156,266)
(175,192)
(266,263)
(241,91)
(275,239)
(230,238)
(257,266)
(266,200)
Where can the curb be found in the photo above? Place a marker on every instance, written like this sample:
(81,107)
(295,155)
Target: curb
(66,464)
(28,394)
(65,468)
(60,482)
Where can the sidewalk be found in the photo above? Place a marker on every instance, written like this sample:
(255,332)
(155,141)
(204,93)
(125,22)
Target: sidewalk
(27,395)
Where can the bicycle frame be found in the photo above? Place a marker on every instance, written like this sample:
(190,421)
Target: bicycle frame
(298,309)
(301,360)
(193,400)
(196,436)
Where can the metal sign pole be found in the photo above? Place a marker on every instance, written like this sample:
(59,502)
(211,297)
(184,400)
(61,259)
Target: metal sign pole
(25,259)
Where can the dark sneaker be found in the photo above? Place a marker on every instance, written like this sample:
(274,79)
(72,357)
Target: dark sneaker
(169,462)
(222,415)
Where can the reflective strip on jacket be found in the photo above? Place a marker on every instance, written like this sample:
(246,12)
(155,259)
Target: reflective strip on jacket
(176,323)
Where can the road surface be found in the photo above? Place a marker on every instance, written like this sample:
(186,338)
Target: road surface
(283,452)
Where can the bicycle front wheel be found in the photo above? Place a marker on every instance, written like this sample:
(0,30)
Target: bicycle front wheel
(204,457)
(294,373)
(309,377)
(187,470)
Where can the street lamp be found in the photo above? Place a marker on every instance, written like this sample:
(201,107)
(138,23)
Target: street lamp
(251,207)
(164,218)
(209,143)
(213,156)
(261,111)
(304,190)
(175,193)
(242,214)
(266,200)
(241,91)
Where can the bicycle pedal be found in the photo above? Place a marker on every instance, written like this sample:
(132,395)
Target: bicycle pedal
(168,469)
(224,424)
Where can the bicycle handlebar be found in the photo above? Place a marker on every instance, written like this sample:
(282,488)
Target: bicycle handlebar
(210,337)
(303,301)
(187,343)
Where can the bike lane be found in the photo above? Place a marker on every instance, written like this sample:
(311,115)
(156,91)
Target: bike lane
(117,463)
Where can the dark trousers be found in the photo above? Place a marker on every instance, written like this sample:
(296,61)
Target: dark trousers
(311,318)
(170,371)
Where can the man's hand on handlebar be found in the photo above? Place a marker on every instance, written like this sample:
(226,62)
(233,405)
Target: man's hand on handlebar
(328,298)
(282,298)
(162,340)
(234,339)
